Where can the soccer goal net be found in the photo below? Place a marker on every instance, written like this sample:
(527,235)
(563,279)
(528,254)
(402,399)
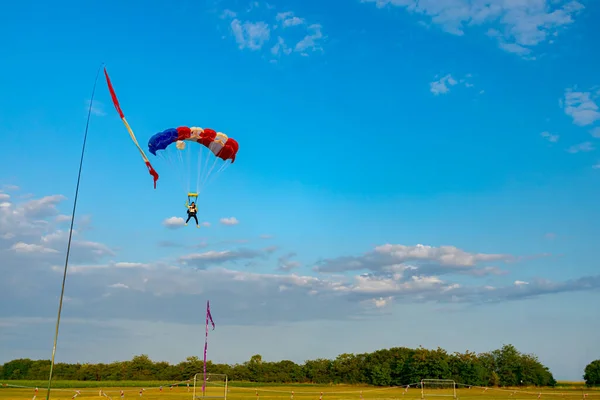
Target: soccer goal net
(216,386)
(437,388)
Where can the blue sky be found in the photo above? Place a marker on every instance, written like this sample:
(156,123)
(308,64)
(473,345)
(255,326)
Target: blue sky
(412,175)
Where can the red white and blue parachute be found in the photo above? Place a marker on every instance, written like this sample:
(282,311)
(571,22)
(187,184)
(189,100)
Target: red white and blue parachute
(219,144)
(197,154)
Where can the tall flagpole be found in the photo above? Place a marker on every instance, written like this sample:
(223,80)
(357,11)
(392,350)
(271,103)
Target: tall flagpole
(62,289)
(208,316)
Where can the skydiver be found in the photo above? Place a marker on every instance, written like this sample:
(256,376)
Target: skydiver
(192,210)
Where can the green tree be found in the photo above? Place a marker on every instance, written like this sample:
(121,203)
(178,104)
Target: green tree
(346,368)
(318,371)
(395,366)
(467,368)
(592,373)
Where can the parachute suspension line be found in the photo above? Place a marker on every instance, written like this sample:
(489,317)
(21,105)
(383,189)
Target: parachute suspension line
(183,168)
(198,172)
(222,168)
(188,169)
(210,176)
(168,157)
(203,174)
(62,291)
(209,171)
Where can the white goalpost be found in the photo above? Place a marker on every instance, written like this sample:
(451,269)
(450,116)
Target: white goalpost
(437,388)
(216,386)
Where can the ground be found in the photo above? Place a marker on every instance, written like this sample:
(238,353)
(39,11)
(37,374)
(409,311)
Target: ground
(65,390)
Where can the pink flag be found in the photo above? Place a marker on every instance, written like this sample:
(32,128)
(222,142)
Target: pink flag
(208,316)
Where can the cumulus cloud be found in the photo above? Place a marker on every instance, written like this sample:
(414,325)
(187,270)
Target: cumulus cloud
(43,207)
(250,35)
(178,222)
(97,108)
(518,26)
(30,229)
(441,85)
(285,262)
(228,14)
(444,83)
(280,47)
(119,286)
(229,221)
(290,33)
(211,258)
(581,106)
(103,285)
(394,258)
(550,137)
(550,235)
(174,222)
(21,247)
(581,147)
(288,19)
(310,41)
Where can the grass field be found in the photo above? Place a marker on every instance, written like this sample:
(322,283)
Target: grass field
(65,390)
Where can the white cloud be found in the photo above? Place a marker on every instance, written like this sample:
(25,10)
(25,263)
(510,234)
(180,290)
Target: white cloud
(550,235)
(581,147)
(285,262)
(21,247)
(174,222)
(311,40)
(518,26)
(382,302)
(103,286)
(553,138)
(228,14)
(441,86)
(42,207)
(229,221)
(209,258)
(294,34)
(30,229)
(280,47)
(392,258)
(119,286)
(250,35)
(595,132)
(288,19)
(97,108)
(62,218)
(131,265)
(596,166)
(581,107)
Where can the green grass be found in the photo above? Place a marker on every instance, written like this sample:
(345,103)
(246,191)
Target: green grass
(64,390)
(570,384)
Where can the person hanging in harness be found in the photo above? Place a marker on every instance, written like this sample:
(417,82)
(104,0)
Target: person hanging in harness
(192,210)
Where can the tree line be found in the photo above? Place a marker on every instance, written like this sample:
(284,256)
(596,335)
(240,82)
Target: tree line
(388,367)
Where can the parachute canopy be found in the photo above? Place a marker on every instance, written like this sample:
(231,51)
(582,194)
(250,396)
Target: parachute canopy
(219,144)
(182,146)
